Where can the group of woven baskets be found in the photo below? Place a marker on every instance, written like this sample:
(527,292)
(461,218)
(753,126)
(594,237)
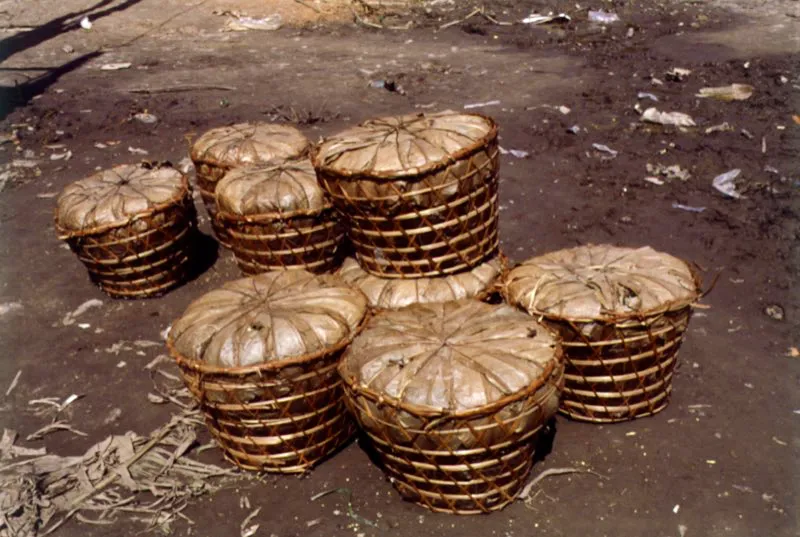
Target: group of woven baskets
(449,363)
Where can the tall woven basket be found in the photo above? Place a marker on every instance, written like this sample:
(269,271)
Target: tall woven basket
(277,217)
(452,397)
(621,313)
(419,192)
(219,150)
(132,226)
(260,357)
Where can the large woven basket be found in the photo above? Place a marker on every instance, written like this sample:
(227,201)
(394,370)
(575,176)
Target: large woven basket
(621,313)
(419,192)
(260,357)
(132,226)
(452,397)
(393,293)
(224,148)
(277,217)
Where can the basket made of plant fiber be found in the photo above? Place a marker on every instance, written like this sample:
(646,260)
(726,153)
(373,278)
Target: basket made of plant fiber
(621,313)
(224,148)
(452,397)
(260,357)
(419,192)
(132,226)
(392,293)
(277,217)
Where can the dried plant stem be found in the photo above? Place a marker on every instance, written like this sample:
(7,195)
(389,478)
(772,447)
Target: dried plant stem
(526,492)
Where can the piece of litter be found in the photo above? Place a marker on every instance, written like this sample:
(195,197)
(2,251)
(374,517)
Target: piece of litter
(144,117)
(775,311)
(677,74)
(113,416)
(137,150)
(115,66)
(603,17)
(564,109)
(688,208)
(779,441)
(682,530)
(86,24)
(794,352)
(670,172)
(676,508)
(645,95)
(84,326)
(70,317)
(711,462)
(605,149)
(725,183)
(14,382)
(61,156)
(9,307)
(121,364)
(518,153)
(747,134)
(722,127)
(679,119)
(575,129)
(312,523)
(654,180)
(481,105)
(630,433)
(734,92)
(748,385)
(536,18)
(243,24)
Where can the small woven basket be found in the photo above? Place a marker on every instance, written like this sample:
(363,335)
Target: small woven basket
(419,192)
(276,217)
(621,314)
(452,397)
(219,150)
(265,378)
(132,226)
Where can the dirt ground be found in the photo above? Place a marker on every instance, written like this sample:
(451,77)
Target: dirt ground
(721,460)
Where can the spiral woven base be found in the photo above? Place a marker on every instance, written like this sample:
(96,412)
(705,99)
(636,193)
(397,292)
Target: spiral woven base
(472,463)
(144,258)
(281,418)
(619,371)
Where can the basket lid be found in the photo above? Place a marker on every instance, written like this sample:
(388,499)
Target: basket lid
(392,147)
(271,188)
(601,282)
(394,293)
(113,197)
(275,316)
(249,143)
(452,356)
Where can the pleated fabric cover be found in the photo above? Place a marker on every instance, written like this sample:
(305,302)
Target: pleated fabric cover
(622,314)
(452,396)
(419,191)
(132,226)
(260,356)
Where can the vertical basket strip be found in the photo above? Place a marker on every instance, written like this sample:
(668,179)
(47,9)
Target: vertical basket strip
(419,192)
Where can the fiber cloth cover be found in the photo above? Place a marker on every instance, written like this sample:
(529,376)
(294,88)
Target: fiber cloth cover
(248,143)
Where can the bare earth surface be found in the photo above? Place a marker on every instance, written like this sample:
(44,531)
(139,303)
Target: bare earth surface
(721,460)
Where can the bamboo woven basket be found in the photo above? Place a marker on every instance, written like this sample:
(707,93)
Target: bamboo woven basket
(260,357)
(224,148)
(392,293)
(452,397)
(132,226)
(277,217)
(419,192)
(621,313)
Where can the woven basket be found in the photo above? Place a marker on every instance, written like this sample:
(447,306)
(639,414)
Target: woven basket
(621,313)
(222,149)
(419,192)
(260,357)
(452,397)
(132,226)
(392,293)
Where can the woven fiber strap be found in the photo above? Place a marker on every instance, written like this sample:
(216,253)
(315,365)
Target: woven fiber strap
(419,191)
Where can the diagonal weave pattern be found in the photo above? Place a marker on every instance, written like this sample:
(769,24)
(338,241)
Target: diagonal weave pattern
(132,248)
(621,313)
(452,398)
(419,193)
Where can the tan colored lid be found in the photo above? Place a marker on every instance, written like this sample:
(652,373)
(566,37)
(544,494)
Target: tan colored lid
(404,145)
(452,356)
(270,317)
(601,283)
(271,188)
(112,197)
(249,143)
(393,293)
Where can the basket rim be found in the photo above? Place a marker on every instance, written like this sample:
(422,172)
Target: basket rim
(261,218)
(201,367)
(428,412)
(184,195)
(415,173)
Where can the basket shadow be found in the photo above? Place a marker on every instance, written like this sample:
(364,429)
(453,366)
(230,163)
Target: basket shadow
(205,252)
(544,441)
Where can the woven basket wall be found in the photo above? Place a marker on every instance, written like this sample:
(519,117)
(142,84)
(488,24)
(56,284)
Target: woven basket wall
(132,227)
(452,398)
(419,192)
(224,148)
(276,217)
(260,357)
(621,313)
